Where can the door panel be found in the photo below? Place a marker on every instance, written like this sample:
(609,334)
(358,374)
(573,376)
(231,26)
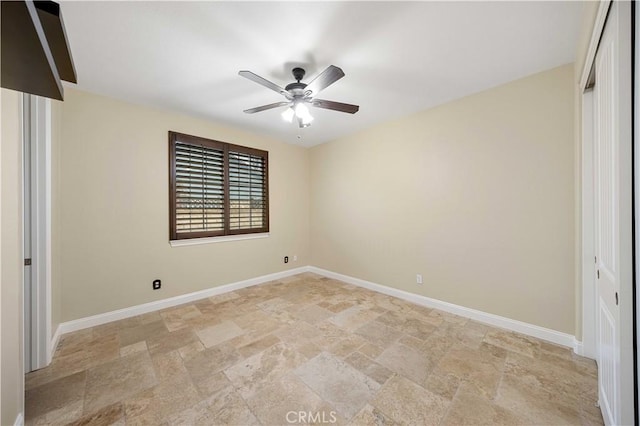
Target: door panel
(612,201)
(607,367)
(606,203)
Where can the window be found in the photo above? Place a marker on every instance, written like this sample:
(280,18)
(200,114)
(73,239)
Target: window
(216,188)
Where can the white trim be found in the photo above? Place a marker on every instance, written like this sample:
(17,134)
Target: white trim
(47,233)
(37,215)
(210,240)
(19,420)
(598,27)
(578,348)
(553,336)
(40,142)
(25,203)
(588,250)
(92,321)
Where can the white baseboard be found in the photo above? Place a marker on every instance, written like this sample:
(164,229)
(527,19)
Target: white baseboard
(547,334)
(19,420)
(54,343)
(92,321)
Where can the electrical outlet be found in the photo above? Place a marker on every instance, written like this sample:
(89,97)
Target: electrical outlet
(286,259)
(295,257)
(157,284)
(418,278)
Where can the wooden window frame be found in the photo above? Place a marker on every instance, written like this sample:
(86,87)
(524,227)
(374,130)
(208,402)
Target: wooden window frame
(225,147)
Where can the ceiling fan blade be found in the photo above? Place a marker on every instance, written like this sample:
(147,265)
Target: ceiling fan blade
(266,107)
(264,82)
(336,106)
(325,79)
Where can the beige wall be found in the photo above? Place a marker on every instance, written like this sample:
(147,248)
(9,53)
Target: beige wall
(11,263)
(114,209)
(489,222)
(476,195)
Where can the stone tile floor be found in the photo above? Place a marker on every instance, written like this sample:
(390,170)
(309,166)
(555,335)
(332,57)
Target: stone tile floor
(308,349)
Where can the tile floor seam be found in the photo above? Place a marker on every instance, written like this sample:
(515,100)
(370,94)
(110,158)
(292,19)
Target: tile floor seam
(320,397)
(84,393)
(246,403)
(250,409)
(499,385)
(380,390)
(450,407)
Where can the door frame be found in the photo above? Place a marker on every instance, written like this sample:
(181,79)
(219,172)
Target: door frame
(27,200)
(589,291)
(587,218)
(38,125)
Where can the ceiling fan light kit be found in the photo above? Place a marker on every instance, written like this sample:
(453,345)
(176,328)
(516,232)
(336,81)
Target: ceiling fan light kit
(299,94)
(287,114)
(300,111)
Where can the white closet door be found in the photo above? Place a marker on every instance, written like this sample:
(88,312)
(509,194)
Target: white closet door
(612,219)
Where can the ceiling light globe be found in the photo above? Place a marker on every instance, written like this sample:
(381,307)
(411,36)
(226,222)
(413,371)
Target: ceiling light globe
(307,119)
(302,110)
(287,115)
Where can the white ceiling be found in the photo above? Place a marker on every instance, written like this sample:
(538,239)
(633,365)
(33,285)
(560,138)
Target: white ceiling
(398,57)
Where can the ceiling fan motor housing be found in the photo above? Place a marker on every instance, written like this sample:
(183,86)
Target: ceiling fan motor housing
(298,74)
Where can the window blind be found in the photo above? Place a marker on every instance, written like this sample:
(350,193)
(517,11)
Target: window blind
(247,196)
(199,189)
(216,188)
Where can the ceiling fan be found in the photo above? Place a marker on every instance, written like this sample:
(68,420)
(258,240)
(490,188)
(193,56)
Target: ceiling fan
(299,94)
